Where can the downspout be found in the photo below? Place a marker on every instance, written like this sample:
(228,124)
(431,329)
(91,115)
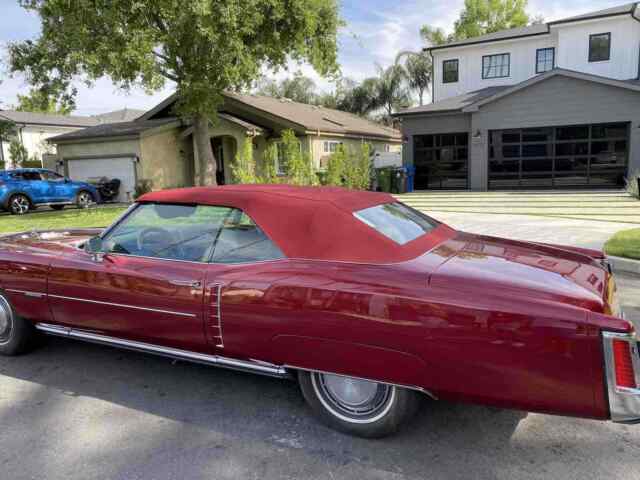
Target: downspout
(433,78)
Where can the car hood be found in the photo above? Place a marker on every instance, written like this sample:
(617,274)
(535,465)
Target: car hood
(523,271)
(49,241)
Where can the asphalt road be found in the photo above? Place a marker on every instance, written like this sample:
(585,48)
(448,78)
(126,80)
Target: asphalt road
(77,411)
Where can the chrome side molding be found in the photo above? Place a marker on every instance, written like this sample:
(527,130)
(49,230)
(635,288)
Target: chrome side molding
(252,366)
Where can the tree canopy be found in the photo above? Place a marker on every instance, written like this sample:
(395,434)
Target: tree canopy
(479,17)
(39,100)
(297,88)
(204,46)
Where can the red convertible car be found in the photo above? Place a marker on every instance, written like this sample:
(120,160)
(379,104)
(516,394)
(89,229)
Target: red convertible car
(368,303)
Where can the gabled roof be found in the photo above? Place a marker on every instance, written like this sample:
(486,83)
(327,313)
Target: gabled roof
(123,115)
(307,117)
(32,118)
(120,129)
(539,29)
(472,101)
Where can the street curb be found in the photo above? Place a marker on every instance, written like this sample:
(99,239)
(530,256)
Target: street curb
(624,264)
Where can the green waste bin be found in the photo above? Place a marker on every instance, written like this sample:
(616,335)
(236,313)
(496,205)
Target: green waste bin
(383,175)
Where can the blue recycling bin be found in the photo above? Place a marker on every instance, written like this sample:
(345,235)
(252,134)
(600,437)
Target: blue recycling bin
(411,173)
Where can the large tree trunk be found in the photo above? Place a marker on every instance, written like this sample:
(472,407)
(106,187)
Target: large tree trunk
(206,159)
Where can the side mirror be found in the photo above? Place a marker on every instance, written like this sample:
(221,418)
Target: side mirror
(94,248)
(67,180)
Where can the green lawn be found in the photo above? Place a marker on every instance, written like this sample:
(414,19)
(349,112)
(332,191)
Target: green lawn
(71,218)
(624,244)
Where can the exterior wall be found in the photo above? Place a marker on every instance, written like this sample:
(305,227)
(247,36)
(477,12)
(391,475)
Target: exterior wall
(163,160)
(571,42)
(523,64)
(33,138)
(425,124)
(319,157)
(555,102)
(573,47)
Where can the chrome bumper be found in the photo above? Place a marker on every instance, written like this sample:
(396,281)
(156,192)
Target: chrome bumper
(624,403)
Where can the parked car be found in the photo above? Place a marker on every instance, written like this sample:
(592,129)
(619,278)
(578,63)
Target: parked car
(26,189)
(368,303)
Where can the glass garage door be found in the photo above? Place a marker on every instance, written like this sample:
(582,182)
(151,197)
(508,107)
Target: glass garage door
(559,157)
(441,161)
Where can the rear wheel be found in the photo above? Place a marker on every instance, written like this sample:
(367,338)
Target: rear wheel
(84,199)
(57,207)
(19,204)
(358,407)
(16,334)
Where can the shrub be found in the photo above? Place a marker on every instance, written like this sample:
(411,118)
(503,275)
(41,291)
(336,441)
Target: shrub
(298,166)
(350,169)
(142,186)
(632,184)
(270,157)
(244,168)
(18,153)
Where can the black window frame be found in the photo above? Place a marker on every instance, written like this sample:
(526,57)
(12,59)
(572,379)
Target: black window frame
(553,58)
(508,55)
(591,37)
(444,70)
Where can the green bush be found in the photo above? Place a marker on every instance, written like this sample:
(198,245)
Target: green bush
(244,168)
(632,184)
(142,186)
(350,169)
(298,166)
(18,153)
(269,173)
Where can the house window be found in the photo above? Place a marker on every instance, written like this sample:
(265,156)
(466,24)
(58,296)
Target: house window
(496,66)
(330,147)
(545,59)
(599,47)
(281,160)
(450,71)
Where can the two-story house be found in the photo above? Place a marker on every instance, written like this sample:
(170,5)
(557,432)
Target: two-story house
(553,105)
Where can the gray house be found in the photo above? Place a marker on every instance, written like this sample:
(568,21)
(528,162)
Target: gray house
(555,105)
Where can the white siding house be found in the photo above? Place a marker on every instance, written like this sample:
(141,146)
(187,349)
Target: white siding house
(552,105)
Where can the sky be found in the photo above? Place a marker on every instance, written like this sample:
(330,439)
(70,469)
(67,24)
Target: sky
(375,31)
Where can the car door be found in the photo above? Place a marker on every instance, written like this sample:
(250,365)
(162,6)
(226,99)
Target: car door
(148,284)
(60,189)
(244,266)
(36,186)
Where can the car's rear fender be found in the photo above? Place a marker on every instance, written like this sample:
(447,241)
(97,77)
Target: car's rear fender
(16,191)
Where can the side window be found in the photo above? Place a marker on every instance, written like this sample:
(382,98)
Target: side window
(450,71)
(52,176)
(173,232)
(31,176)
(241,241)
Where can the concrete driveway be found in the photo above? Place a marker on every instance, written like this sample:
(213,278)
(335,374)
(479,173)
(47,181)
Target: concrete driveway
(78,411)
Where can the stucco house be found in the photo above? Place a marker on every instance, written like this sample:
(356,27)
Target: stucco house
(33,129)
(553,105)
(158,147)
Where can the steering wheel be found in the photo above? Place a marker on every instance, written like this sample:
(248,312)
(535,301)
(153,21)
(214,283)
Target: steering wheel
(157,241)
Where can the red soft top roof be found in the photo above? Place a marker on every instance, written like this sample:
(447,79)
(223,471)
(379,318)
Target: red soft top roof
(314,223)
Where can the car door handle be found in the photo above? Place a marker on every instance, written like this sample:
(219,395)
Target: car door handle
(186,283)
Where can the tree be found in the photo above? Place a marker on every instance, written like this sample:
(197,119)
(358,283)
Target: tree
(479,17)
(40,100)
(18,153)
(204,46)
(417,71)
(391,92)
(359,99)
(299,88)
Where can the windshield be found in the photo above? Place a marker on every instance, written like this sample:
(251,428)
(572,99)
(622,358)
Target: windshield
(396,221)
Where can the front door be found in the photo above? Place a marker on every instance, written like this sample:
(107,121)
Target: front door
(218,152)
(149,285)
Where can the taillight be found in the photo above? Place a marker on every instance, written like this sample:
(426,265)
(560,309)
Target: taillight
(623,363)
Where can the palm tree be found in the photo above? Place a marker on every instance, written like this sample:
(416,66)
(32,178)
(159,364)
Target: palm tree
(391,91)
(417,67)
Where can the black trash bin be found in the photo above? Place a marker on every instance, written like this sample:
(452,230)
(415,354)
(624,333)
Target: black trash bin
(399,180)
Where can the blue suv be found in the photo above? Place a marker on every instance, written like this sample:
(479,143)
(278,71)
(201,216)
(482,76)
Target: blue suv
(25,189)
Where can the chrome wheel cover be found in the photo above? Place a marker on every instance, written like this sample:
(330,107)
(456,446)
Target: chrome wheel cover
(6,321)
(20,204)
(84,200)
(352,399)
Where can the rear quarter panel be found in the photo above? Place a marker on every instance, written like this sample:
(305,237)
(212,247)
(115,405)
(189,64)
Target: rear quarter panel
(386,323)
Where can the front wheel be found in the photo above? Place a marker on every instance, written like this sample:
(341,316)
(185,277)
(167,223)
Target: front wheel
(16,334)
(358,407)
(84,199)
(19,204)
